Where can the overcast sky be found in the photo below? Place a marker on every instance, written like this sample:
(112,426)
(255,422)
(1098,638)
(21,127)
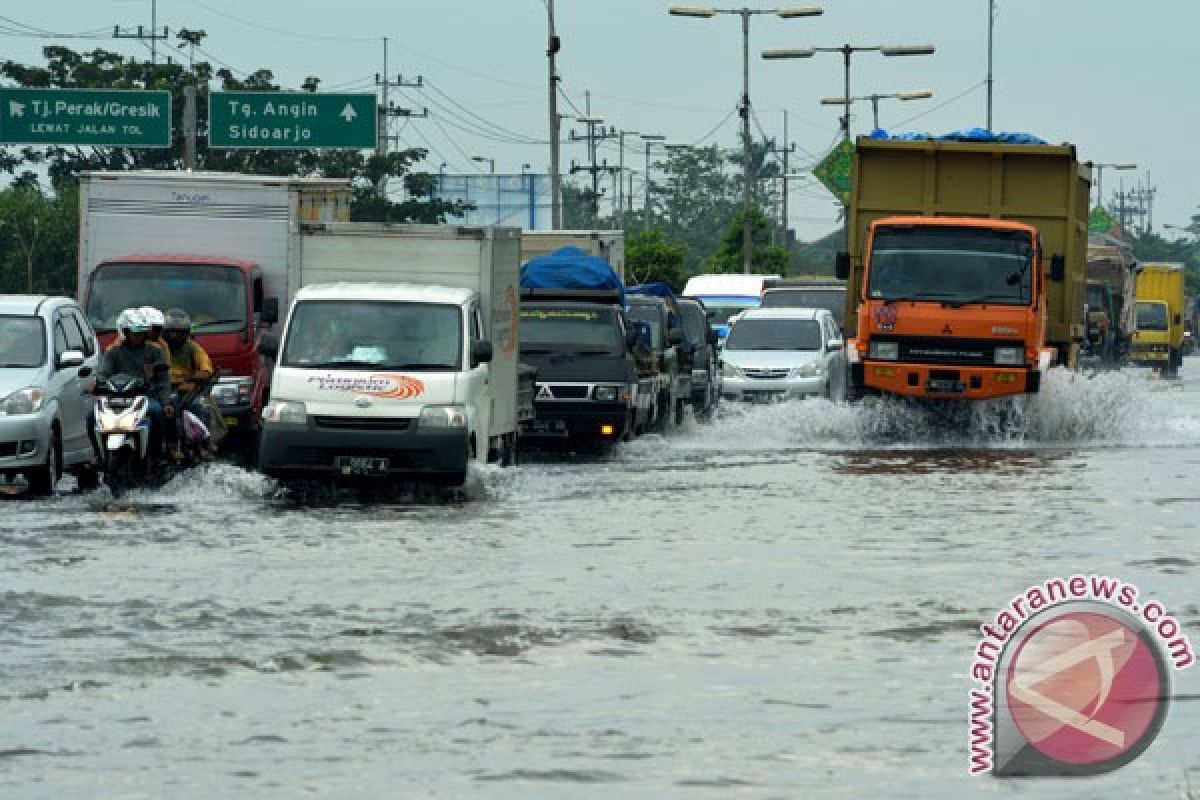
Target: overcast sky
(1114,78)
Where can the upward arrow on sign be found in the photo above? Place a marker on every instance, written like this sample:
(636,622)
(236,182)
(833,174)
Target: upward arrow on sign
(348,113)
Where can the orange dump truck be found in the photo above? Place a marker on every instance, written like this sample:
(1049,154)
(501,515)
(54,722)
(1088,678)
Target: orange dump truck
(966,269)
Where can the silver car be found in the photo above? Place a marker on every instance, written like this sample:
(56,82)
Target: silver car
(47,351)
(779,353)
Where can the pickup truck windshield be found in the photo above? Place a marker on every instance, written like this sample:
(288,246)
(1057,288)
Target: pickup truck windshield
(373,335)
(774,334)
(1152,316)
(22,342)
(832,299)
(214,296)
(951,265)
(571,330)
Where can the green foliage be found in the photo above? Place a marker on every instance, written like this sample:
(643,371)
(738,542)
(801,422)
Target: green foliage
(38,240)
(651,258)
(765,257)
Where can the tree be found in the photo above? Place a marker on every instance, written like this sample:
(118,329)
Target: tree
(694,201)
(38,239)
(764,258)
(651,258)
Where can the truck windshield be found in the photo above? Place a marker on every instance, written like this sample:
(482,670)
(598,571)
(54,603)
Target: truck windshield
(22,342)
(570,330)
(832,299)
(1096,299)
(214,296)
(378,335)
(951,265)
(695,324)
(774,334)
(1152,316)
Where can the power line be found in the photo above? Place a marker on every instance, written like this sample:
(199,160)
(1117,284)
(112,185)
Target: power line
(715,128)
(940,106)
(454,144)
(484,121)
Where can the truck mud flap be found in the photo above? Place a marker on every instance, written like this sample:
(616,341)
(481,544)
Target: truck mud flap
(1033,382)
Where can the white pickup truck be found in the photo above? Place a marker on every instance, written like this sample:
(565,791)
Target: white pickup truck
(409,378)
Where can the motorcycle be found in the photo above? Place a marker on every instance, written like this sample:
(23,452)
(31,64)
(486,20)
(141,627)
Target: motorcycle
(123,431)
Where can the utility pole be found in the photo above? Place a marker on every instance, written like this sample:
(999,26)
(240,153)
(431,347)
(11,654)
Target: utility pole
(592,138)
(991,31)
(620,215)
(788,148)
(388,109)
(153,36)
(553,45)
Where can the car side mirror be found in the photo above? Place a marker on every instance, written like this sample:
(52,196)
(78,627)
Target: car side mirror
(481,353)
(841,265)
(713,337)
(70,358)
(833,345)
(269,346)
(1058,268)
(270,312)
(675,337)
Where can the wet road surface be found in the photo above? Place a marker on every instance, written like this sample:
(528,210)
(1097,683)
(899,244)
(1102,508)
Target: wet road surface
(782,604)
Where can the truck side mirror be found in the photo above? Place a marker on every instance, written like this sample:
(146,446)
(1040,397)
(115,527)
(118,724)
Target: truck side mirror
(270,312)
(713,337)
(841,265)
(1058,268)
(481,353)
(269,346)
(675,337)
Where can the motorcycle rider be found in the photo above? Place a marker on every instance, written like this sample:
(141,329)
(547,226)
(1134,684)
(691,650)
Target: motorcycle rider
(135,355)
(189,365)
(156,321)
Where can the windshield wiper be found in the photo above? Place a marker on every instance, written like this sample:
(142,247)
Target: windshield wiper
(931,297)
(981,298)
(218,322)
(535,351)
(342,363)
(593,351)
(416,365)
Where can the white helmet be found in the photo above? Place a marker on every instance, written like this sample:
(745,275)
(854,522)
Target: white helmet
(131,320)
(154,317)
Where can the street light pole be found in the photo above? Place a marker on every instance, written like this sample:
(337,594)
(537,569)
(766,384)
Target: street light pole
(922,94)
(620,211)
(1123,165)
(649,139)
(991,29)
(744,108)
(552,47)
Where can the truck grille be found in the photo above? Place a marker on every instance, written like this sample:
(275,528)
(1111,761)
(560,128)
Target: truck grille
(771,374)
(363,423)
(948,350)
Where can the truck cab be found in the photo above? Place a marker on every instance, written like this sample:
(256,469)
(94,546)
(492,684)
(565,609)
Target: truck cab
(587,390)
(660,358)
(385,381)
(225,299)
(951,307)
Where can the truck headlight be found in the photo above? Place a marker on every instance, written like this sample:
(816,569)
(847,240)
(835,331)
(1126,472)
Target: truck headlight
(884,351)
(1010,356)
(233,391)
(285,413)
(730,371)
(23,401)
(812,369)
(440,418)
(606,394)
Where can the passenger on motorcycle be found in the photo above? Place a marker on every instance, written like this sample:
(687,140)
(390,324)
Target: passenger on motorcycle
(190,365)
(134,355)
(157,321)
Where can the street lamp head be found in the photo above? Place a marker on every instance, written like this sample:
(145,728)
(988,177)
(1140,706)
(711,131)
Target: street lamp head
(834,101)
(590,120)
(793,52)
(677,146)
(922,94)
(1124,165)
(908,50)
(800,11)
(653,137)
(692,11)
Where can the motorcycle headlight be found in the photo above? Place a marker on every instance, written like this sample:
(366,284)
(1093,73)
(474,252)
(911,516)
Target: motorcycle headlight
(23,401)
(285,413)
(811,370)
(606,394)
(884,351)
(448,417)
(1010,356)
(730,371)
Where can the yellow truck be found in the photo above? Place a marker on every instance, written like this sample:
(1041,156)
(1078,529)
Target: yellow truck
(1158,339)
(966,267)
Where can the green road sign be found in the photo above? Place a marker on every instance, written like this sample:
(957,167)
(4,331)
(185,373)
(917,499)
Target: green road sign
(291,120)
(109,117)
(1100,221)
(834,170)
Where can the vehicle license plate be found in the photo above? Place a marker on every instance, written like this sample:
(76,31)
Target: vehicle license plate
(549,427)
(361,465)
(953,387)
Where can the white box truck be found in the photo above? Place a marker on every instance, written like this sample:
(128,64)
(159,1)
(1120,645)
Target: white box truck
(213,244)
(399,355)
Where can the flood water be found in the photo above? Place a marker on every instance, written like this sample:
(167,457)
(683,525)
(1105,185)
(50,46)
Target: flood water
(782,604)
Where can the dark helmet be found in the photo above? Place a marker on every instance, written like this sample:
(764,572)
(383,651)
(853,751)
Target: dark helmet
(177,320)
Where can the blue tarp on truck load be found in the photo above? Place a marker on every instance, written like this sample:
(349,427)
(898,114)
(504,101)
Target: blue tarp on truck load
(970,135)
(570,268)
